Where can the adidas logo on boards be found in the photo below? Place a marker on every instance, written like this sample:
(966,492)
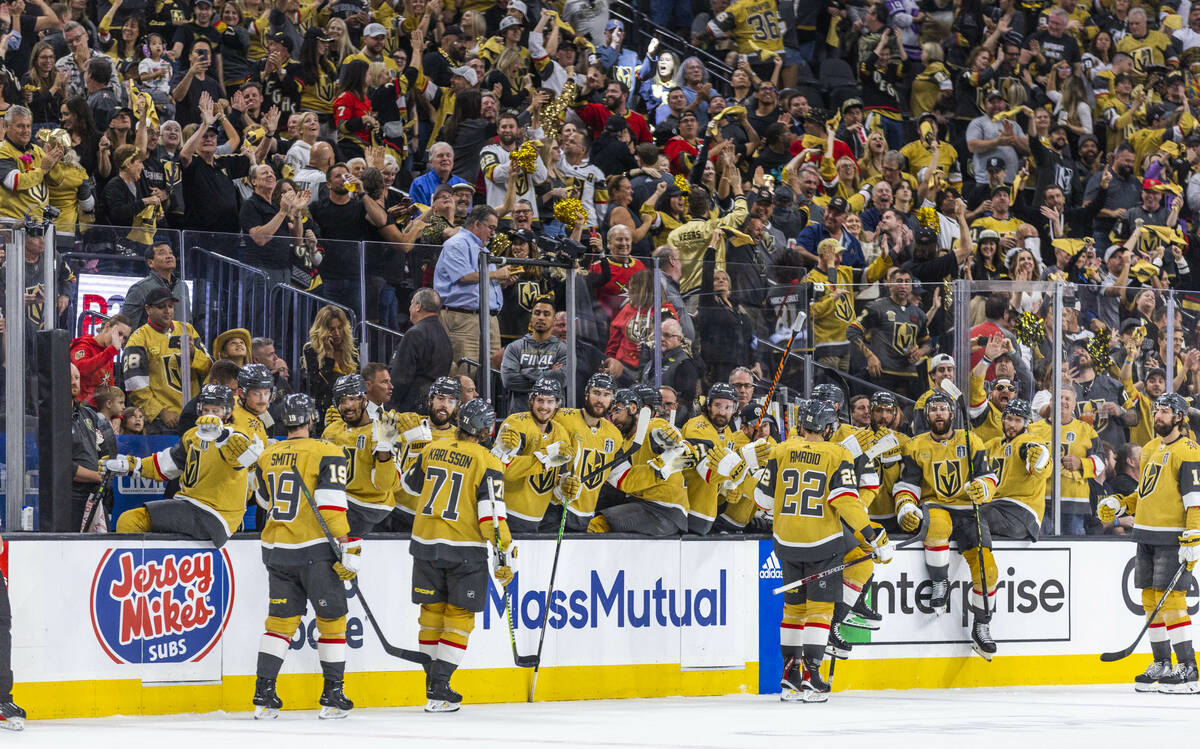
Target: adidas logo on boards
(771,569)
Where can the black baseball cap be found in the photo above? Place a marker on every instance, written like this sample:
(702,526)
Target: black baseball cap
(996,164)
(159,295)
(838,205)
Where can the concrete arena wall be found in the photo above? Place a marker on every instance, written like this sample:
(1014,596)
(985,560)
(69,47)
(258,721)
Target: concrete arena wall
(132,625)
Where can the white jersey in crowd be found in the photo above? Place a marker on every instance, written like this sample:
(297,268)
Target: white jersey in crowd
(496,167)
(583,178)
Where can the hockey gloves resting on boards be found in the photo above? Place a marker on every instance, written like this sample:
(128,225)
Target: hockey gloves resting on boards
(351,562)
(1189,548)
(909,516)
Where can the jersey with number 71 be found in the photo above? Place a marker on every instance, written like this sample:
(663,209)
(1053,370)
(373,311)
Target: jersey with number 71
(455,507)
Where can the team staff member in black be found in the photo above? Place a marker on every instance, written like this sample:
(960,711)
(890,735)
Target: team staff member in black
(11,716)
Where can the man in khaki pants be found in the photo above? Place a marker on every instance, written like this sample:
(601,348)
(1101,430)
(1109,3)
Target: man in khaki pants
(456,279)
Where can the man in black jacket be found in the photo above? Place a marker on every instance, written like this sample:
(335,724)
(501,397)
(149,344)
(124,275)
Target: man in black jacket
(424,355)
(613,150)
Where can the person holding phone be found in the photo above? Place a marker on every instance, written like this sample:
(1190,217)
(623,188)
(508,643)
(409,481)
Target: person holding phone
(189,86)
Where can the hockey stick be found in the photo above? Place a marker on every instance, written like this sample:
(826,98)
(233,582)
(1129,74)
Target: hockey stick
(639,437)
(413,656)
(94,502)
(521,661)
(779,371)
(562,524)
(1119,654)
(953,391)
(918,536)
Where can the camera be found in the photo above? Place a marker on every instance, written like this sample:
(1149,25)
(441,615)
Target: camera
(560,249)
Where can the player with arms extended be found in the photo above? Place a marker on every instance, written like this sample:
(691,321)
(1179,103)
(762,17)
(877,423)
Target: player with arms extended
(300,561)
(461,489)
(934,479)
(416,433)
(598,440)
(370,449)
(812,492)
(1166,528)
(1022,465)
(210,460)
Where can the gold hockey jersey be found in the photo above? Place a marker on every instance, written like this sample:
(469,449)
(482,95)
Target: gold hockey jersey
(369,482)
(935,472)
(249,424)
(1021,477)
(755,25)
(635,477)
(1078,439)
(811,490)
(455,505)
(210,475)
(703,481)
(407,451)
(599,445)
(1168,496)
(153,367)
(888,466)
(529,485)
(738,509)
(292,534)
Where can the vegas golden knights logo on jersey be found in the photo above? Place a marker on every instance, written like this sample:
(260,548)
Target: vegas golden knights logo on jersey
(947,477)
(904,336)
(543,483)
(844,308)
(1150,479)
(527,293)
(591,461)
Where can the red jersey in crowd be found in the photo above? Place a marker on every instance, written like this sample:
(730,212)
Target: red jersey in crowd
(348,111)
(95,365)
(612,294)
(596,115)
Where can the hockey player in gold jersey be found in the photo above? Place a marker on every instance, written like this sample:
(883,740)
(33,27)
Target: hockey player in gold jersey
(533,447)
(598,440)
(370,449)
(988,403)
(944,475)
(1166,528)
(210,461)
(710,438)
(651,478)
(812,492)
(884,411)
(737,507)
(256,385)
(461,489)
(301,566)
(416,432)
(1022,466)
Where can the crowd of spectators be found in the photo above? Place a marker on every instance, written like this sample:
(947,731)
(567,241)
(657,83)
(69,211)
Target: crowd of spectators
(823,166)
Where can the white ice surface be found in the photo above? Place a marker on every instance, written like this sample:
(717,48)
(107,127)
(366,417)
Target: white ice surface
(1017,718)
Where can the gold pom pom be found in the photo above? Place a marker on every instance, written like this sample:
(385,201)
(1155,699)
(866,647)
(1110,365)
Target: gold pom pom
(500,243)
(927,217)
(525,157)
(570,212)
(1031,329)
(1099,347)
(684,186)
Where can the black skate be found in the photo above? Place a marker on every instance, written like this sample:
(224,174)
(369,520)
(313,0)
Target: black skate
(12,718)
(981,640)
(864,617)
(334,702)
(939,597)
(792,681)
(837,647)
(1182,680)
(814,688)
(266,703)
(1148,681)
(441,698)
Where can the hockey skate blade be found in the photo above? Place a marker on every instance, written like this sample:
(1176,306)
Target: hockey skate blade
(332,713)
(982,653)
(441,706)
(1189,687)
(859,623)
(1150,688)
(12,724)
(265,713)
(794,696)
(813,696)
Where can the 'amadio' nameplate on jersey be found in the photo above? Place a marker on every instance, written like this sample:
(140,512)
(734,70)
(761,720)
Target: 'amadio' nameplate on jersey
(161,605)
